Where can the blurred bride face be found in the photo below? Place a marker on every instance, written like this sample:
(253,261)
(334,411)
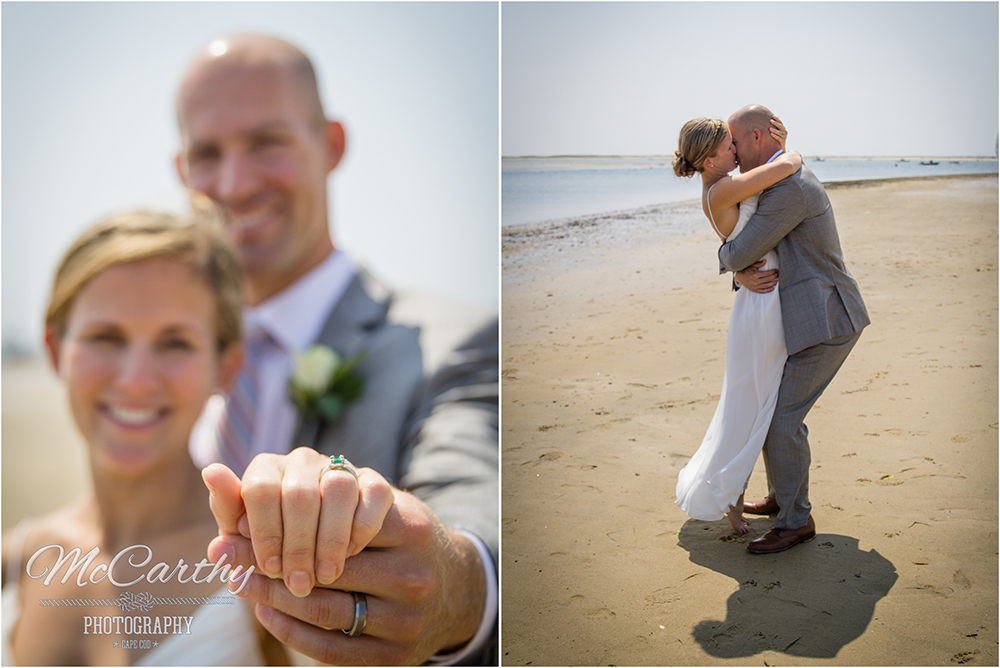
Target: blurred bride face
(139,360)
(725,156)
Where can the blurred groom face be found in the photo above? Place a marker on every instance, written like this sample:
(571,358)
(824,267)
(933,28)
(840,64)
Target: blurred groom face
(253,143)
(747,146)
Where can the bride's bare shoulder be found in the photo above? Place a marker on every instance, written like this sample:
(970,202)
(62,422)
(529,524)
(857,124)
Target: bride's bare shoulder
(64,526)
(721,185)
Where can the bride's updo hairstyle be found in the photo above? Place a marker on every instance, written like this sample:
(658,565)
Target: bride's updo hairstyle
(700,139)
(194,237)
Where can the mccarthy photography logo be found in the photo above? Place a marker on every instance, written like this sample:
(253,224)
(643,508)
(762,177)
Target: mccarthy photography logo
(48,562)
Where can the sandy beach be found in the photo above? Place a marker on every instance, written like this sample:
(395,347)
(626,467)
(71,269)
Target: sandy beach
(614,335)
(44,457)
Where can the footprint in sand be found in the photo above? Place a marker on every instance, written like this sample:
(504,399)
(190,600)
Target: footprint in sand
(551,456)
(960,438)
(965,657)
(585,487)
(661,596)
(944,592)
(600,613)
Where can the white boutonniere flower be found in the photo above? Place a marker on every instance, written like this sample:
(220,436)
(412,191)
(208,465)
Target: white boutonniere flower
(323,383)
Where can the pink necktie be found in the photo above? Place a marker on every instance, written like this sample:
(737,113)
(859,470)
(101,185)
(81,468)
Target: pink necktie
(238,423)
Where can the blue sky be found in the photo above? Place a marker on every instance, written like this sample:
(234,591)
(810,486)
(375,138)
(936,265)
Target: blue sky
(88,128)
(849,78)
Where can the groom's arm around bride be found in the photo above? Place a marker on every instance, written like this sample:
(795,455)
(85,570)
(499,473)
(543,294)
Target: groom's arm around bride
(819,298)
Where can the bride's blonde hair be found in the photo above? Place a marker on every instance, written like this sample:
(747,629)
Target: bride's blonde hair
(193,236)
(700,139)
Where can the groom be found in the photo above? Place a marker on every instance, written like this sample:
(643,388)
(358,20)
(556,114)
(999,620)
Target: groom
(821,307)
(256,140)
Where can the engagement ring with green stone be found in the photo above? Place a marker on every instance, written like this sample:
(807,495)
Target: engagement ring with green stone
(339,463)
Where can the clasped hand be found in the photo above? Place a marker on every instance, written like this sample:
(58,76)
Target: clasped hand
(755,280)
(317,536)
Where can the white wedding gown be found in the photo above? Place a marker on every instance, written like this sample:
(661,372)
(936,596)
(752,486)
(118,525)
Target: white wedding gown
(718,473)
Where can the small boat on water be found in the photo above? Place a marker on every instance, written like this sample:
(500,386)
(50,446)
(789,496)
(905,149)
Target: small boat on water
(903,160)
(929,162)
(818,159)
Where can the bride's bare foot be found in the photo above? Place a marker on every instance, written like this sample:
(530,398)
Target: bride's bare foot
(735,515)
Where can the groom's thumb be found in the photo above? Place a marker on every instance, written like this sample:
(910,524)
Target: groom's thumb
(237,550)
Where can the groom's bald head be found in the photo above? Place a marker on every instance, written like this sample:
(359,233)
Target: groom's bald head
(242,54)
(751,129)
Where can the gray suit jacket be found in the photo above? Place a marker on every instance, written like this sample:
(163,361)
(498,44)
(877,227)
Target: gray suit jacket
(820,299)
(428,418)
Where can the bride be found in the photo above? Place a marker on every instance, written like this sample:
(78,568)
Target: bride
(143,325)
(713,482)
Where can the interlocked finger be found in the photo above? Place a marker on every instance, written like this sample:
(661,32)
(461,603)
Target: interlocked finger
(300,510)
(340,490)
(262,489)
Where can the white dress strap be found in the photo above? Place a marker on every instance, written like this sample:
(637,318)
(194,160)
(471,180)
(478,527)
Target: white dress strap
(711,219)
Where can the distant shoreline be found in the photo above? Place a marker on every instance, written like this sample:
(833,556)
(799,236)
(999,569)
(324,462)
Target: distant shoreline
(512,237)
(858,183)
(808,158)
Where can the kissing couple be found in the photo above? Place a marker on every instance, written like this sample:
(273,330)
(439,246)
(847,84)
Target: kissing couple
(787,338)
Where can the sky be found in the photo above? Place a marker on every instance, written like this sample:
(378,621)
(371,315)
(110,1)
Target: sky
(88,129)
(848,78)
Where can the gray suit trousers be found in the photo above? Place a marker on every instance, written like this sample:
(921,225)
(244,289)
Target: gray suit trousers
(786,448)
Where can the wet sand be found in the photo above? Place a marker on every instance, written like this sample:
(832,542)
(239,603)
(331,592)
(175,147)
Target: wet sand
(613,356)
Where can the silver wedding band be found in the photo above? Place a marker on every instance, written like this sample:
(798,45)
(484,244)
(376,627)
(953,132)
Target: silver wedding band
(339,463)
(360,615)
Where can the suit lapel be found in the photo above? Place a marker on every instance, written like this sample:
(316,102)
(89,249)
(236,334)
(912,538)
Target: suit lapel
(359,311)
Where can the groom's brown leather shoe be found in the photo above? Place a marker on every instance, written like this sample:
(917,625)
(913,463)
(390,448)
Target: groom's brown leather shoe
(766,507)
(779,540)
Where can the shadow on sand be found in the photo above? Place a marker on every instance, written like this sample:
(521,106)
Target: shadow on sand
(808,601)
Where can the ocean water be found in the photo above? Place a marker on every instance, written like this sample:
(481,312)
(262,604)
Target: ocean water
(536,190)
